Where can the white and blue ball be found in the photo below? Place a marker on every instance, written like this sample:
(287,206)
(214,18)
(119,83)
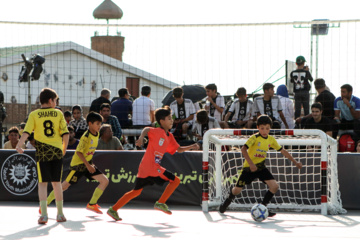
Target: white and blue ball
(259,212)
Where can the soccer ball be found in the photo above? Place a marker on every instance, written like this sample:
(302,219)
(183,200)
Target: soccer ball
(259,212)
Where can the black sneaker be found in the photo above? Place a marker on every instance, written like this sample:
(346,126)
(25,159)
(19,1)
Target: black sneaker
(271,214)
(225,205)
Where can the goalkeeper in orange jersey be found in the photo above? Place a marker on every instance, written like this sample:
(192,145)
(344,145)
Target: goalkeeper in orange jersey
(254,152)
(150,171)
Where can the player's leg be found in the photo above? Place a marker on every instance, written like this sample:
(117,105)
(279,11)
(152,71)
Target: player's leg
(174,182)
(273,188)
(297,99)
(44,176)
(233,192)
(245,177)
(42,191)
(103,183)
(140,183)
(65,185)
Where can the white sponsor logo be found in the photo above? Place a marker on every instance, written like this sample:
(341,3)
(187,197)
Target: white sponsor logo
(18,174)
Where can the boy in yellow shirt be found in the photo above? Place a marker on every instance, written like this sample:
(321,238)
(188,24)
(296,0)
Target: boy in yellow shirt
(82,165)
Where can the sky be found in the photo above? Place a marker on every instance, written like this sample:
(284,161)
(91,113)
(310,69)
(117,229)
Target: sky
(185,11)
(202,12)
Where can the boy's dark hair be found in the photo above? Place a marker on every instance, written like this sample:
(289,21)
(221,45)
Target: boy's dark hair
(317,105)
(71,128)
(93,117)
(319,83)
(348,87)
(67,114)
(105,105)
(202,116)
(14,130)
(211,86)
(105,91)
(145,90)
(76,107)
(177,92)
(263,120)
(122,92)
(161,114)
(268,86)
(46,94)
(241,91)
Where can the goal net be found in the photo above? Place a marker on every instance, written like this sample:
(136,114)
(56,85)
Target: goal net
(313,188)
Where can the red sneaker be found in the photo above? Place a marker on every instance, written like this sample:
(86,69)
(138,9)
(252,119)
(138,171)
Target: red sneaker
(94,208)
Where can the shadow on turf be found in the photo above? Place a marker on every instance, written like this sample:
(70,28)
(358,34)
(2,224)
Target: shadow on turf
(163,231)
(43,230)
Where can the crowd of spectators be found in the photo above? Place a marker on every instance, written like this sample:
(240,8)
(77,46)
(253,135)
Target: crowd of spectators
(332,115)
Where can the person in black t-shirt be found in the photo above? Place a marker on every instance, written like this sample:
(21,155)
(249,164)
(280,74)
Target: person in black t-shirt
(301,77)
(104,98)
(325,97)
(317,121)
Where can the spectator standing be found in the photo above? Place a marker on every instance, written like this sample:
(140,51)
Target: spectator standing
(215,103)
(122,108)
(105,112)
(301,77)
(317,121)
(325,97)
(184,111)
(107,141)
(240,112)
(271,106)
(104,98)
(143,109)
(287,105)
(347,110)
(14,137)
(73,142)
(79,122)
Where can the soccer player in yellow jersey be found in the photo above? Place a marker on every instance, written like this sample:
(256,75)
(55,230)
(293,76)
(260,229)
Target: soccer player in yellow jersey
(81,163)
(52,137)
(254,152)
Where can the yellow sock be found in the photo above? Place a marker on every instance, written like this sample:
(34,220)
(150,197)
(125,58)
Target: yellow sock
(96,195)
(43,208)
(59,206)
(50,198)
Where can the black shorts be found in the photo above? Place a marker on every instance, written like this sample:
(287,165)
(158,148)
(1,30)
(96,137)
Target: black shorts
(246,176)
(50,171)
(76,173)
(143,182)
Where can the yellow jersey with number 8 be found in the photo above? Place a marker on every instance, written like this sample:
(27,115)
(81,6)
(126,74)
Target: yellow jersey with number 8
(49,126)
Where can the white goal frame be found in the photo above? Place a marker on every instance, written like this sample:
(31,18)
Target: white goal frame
(330,195)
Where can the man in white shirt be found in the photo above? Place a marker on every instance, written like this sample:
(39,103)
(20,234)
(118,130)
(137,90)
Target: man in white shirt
(143,109)
(184,111)
(215,103)
(271,106)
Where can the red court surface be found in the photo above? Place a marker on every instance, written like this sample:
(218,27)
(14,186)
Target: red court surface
(19,221)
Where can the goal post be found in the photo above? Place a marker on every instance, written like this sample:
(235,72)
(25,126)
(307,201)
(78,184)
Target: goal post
(313,188)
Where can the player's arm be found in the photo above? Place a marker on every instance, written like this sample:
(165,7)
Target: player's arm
(226,119)
(245,153)
(21,142)
(65,140)
(217,107)
(144,133)
(87,164)
(288,156)
(194,146)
